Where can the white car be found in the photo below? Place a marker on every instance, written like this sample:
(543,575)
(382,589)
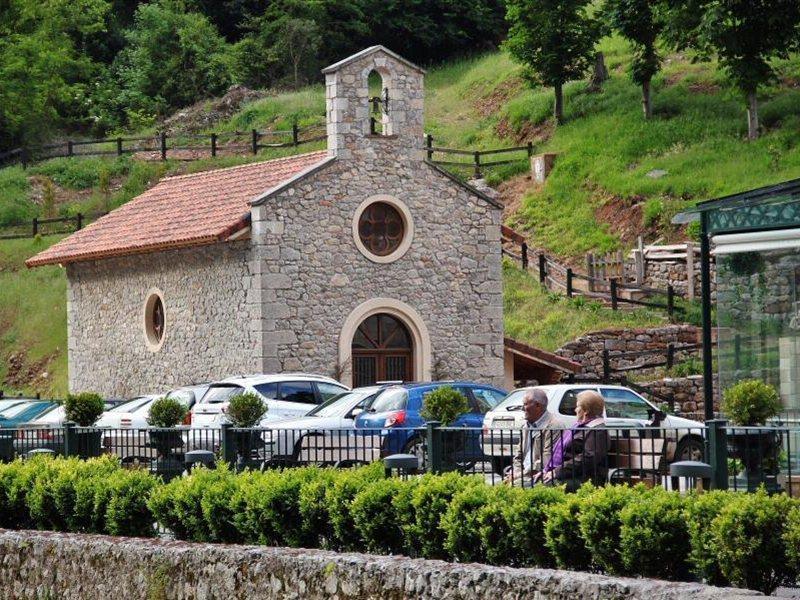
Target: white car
(623,408)
(287,395)
(336,414)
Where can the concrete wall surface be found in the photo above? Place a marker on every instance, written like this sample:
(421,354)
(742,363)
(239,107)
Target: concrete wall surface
(74,566)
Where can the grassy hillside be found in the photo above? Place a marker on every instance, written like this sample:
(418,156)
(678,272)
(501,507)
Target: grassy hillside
(601,194)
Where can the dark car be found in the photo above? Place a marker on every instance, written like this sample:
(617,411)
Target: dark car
(394,415)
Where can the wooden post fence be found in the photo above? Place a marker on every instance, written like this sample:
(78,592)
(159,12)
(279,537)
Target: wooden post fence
(213,145)
(119,146)
(542,269)
(35,226)
(295,134)
(163,146)
(524,249)
(429,146)
(78,221)
(569,282)
(613,283)
(254,144)
(477,159)
(670,300)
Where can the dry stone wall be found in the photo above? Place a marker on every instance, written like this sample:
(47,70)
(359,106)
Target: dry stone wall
(77,567)
(687,392)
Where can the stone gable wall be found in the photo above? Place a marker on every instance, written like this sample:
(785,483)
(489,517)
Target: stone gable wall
(78,567)
(207,330)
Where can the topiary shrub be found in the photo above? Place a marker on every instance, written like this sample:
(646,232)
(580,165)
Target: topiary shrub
(84,408)
(216,506)
(430,501)
(750,402)
(166,412)
(313,504)
(600,524)
(526,516)
(700,511)
(375,517)
(246,410)
(75,493)
(444,404)
(127,512)
(749,537)
(461,524)
(339,497)
(39,496)
(495,532)
(655,520)
(562,534)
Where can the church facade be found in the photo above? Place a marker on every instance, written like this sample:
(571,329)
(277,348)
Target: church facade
(364,262)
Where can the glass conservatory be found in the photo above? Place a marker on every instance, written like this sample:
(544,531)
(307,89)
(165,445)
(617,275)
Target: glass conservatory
(754,238)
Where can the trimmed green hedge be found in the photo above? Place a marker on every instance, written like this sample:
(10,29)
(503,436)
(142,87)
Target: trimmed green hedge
(747,540)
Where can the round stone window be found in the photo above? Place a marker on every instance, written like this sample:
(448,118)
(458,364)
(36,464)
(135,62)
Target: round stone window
(155,320)
(382,228)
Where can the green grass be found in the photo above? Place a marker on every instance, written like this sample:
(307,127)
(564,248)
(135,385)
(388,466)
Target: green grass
(548,320)
(33,318)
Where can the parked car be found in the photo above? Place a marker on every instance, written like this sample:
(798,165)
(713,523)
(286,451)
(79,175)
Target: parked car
(286,395)
(624,408)
(337,415)
(25,411)
(394,414)
(189,395)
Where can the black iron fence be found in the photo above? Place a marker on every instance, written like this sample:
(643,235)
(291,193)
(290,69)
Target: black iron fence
(741,458)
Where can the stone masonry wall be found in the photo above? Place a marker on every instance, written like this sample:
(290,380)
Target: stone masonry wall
(207,321)
(78,567)
(687,391)
(314,275)
(659,274)
(587,350)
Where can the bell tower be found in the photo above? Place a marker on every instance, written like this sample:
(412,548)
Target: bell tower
(370,121)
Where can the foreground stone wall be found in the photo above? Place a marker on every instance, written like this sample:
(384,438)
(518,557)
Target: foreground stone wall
(77,567)
(587,350)
(207,320)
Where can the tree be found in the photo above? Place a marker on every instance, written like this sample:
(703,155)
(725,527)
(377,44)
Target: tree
(554,39)
(639,23)
(299,40)
(744,36)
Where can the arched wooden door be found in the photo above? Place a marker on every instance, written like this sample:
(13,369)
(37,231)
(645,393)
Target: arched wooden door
(382,351)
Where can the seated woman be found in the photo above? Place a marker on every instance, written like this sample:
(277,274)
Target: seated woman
(580,454)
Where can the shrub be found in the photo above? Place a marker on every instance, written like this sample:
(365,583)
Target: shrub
(127,512)
(495,532)
(39,496)
(84,408)
(562,534)
(700,511)
(216,506)
(178,504)
(600,524)
(15,479)
(749,538)
(750,402)
(375,518)
(444,404)
(526,517)
(339,498)
(166,412)
(246,410)
(461,524)
(239,501)
(78,492)
(655,520)
(430,501)
(313,504)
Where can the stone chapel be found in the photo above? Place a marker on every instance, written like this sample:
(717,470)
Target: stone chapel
(365,262)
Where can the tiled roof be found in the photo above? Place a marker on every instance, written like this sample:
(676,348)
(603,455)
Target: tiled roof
(182,211)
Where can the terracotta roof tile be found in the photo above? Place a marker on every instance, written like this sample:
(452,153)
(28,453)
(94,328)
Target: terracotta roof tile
(187,210)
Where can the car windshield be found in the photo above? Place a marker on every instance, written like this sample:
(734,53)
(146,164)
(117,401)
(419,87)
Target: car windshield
(185,397)
(391,399)
(335,405)
(15,411)
(51,415)
(514,399)
(221,393)
(130,405)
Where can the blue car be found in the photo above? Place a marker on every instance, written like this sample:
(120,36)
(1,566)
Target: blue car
(23,412)
(394,414)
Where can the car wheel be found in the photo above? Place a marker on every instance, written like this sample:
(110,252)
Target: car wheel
(416,447)
(690,448)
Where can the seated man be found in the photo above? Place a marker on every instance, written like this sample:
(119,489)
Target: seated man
(536,441)
(580,453)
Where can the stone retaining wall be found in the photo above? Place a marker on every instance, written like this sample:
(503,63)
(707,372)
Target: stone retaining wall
(687,391)
(78,567)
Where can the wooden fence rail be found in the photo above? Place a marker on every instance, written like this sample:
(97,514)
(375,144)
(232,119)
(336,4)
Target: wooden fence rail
(476,164)
(32,228)
(669,353)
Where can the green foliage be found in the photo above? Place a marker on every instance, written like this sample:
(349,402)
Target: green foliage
(376,519)
(748,535)
(461,524)
(701,510)
(216,506)
(639,22)
(655,519)
(166,412)
(246,410)
(339,497)
(750,402)
(562,534)
(554,39)
(600,524)
(652,211)
(83,408)
(526,516)
(128,512)
(314,511)
(81,173)
(178,505)
(690,366)
(444,404)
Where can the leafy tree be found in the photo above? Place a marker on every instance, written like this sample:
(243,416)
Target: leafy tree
(554,39)
(639,22)
(299,40)
(172,58)
(744,36)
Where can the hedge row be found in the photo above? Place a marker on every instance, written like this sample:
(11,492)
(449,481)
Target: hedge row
(748,540)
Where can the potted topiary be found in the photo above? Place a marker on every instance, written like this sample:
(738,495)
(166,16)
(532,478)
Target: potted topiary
(244,412)
(748,405)
(445,405)
(165,415)
(84,409)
